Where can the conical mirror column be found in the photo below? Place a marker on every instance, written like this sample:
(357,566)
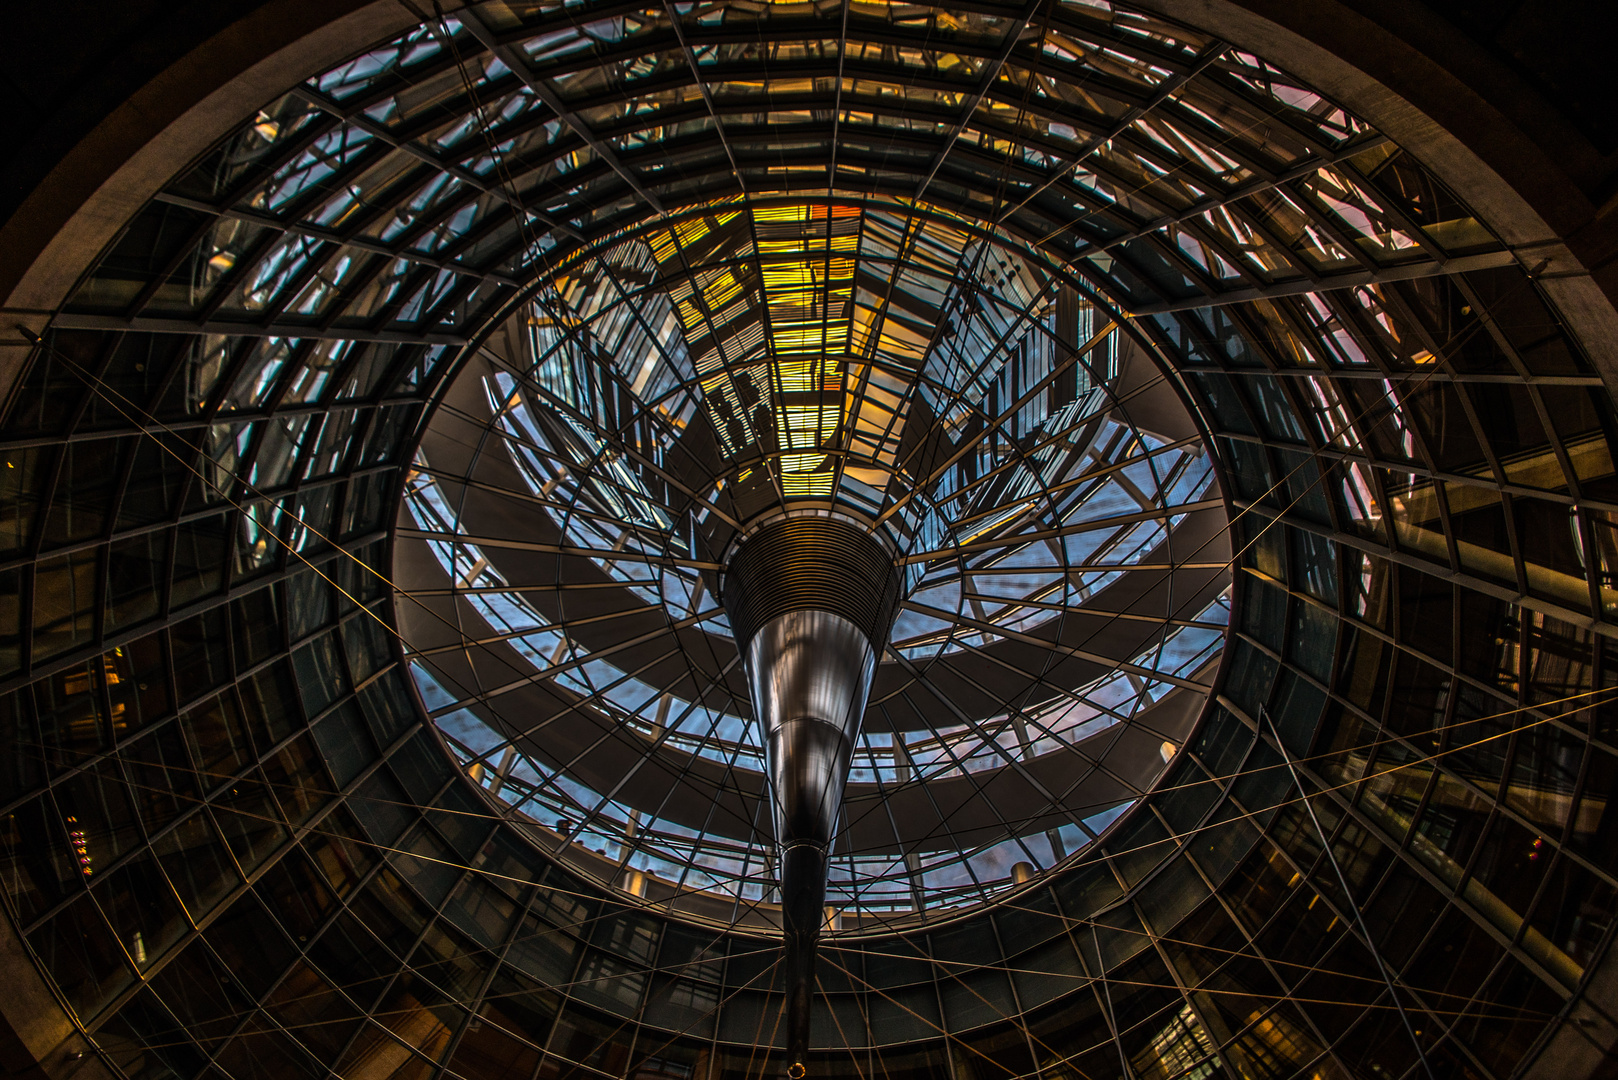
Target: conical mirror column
(811,601)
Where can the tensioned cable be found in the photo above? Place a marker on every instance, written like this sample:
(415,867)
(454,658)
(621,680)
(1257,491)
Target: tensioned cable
(1066,920)
(1243,511)
(197,472)
(1235,557)
(1288,997)
(1221,780)
(838,1023)
(1313,457)
(1348,896)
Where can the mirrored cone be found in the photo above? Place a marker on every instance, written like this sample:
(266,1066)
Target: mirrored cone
(813,600)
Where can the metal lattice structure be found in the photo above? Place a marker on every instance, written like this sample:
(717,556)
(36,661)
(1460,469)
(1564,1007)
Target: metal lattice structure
(235,841)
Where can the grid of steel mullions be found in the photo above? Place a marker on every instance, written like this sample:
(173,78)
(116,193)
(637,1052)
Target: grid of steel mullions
(354,239)
(1362,451)
(1418,561)
(379,994)
(1314,871)
(1370,630)
(1170,969)
(1418,469)
(282,494)
(1250,935)
(350,471)
(1565,467)
(1349,813)
(1496,805)
(1323,1042)
(134,632)
(246,1022)
(295,835)
(210,790)
(1020,322)
(1546,714)
(1154,941)
(113,752)
(311,130)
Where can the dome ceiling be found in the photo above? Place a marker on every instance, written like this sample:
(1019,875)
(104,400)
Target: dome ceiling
(393,449)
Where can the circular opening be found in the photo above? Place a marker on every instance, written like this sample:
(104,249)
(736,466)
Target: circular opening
(927,379)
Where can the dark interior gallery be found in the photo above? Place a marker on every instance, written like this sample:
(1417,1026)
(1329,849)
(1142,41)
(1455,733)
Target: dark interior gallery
(742,539)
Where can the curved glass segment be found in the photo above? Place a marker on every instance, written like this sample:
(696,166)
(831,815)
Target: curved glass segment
(237,846)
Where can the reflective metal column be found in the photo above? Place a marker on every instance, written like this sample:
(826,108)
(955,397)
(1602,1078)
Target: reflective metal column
(811,601)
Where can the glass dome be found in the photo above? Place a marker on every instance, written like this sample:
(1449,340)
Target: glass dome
(944,386)
(391,359)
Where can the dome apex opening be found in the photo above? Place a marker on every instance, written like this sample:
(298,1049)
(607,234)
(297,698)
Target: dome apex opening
(897,372)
